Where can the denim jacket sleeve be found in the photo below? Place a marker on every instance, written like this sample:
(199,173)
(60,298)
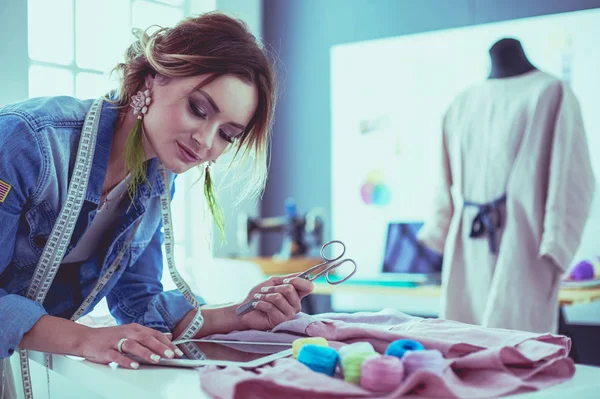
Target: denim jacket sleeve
(21,171)
(138,296)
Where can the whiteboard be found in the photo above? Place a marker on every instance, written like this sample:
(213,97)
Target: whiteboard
(387,101)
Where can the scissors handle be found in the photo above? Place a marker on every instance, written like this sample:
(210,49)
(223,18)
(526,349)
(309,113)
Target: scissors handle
(338,264)
(313,273)
(330,243)
(325,266)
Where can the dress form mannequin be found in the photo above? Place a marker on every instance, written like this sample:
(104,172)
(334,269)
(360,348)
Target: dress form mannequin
(508,59)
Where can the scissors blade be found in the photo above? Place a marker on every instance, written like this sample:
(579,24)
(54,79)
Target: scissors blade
(244,308)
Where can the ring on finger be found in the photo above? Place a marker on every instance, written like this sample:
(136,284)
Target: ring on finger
(120,345)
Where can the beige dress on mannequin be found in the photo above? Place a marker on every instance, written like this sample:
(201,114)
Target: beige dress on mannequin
(522,139)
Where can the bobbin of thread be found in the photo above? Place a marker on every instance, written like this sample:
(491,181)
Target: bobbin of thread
(352,357)
(300,342)
(400,347)
(356,347)
(321,359)
(431,360)
(352,365)
(382,374)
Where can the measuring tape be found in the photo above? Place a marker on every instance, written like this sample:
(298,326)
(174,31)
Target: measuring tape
(194,326)
(3,365)
(55,248)
(62,230)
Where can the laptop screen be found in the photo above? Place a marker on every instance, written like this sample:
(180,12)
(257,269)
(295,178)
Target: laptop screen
(404,254)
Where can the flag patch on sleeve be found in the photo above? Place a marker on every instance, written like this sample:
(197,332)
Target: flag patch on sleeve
(4,189)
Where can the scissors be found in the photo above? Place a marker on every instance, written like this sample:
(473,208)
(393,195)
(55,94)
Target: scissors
(324,268)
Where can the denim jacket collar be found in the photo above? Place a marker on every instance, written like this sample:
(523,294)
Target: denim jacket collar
(106,131)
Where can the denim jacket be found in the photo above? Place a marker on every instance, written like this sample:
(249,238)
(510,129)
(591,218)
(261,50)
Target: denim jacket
(38,143)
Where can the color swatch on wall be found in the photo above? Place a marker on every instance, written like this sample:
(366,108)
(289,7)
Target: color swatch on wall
(374,190)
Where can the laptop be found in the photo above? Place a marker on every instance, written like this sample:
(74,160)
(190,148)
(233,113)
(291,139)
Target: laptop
(406,259)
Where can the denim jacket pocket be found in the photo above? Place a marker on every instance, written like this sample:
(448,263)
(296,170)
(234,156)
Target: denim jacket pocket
(40,220)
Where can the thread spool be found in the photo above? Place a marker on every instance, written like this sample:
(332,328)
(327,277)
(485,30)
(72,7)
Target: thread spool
(584,270)
(399,347)
(382,374)
(321,359)
(431,360)
(352,365)
(300,342)
(356,347)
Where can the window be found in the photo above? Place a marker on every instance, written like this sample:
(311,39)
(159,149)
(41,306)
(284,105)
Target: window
(85,39)
(72,54)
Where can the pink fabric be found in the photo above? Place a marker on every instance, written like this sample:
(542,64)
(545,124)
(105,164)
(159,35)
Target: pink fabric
(482,362)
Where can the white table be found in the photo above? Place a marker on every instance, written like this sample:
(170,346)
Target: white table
(72,378)
(76,379)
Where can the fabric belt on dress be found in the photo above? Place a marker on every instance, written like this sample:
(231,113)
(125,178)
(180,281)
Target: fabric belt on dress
(489,218)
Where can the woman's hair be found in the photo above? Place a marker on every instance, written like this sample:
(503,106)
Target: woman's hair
(211,44)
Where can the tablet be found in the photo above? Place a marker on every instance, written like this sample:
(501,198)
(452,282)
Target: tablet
(224,353)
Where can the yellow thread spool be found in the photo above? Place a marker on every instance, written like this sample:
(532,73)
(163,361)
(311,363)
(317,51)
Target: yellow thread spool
(300,342)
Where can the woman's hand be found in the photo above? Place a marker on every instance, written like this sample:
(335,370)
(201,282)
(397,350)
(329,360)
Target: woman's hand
(100,345)
(276,300)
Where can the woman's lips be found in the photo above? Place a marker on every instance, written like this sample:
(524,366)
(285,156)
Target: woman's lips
(187,154)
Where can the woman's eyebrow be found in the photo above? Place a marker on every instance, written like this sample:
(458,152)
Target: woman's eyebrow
(210,100)
(216,108)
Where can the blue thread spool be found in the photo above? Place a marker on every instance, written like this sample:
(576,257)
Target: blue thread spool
(300,342)
(400,347)
(321,359)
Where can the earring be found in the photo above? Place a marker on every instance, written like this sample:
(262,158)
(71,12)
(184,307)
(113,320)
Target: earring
(211,199)
(135,156)
(140,103)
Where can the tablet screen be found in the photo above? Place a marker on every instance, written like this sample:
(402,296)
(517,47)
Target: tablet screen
(231,351)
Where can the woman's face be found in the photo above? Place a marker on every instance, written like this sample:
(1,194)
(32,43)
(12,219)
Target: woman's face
(185,128)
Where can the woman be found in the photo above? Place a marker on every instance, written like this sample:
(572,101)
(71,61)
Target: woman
(187,94)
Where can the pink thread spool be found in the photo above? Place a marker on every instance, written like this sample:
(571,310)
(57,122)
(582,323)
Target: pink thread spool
(382,374)
(431,360)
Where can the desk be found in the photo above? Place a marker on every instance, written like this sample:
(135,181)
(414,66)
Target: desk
(270,266)
(567,296)
(77,379)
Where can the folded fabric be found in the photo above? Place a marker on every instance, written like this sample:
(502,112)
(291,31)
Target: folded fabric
(482,362)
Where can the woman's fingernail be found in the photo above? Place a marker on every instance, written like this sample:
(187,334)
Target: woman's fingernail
(287,281)
(134,365)
(168,335)
(257,296)
(254,304)
(169,353)
(155,357)
(179,352)
(264,289)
